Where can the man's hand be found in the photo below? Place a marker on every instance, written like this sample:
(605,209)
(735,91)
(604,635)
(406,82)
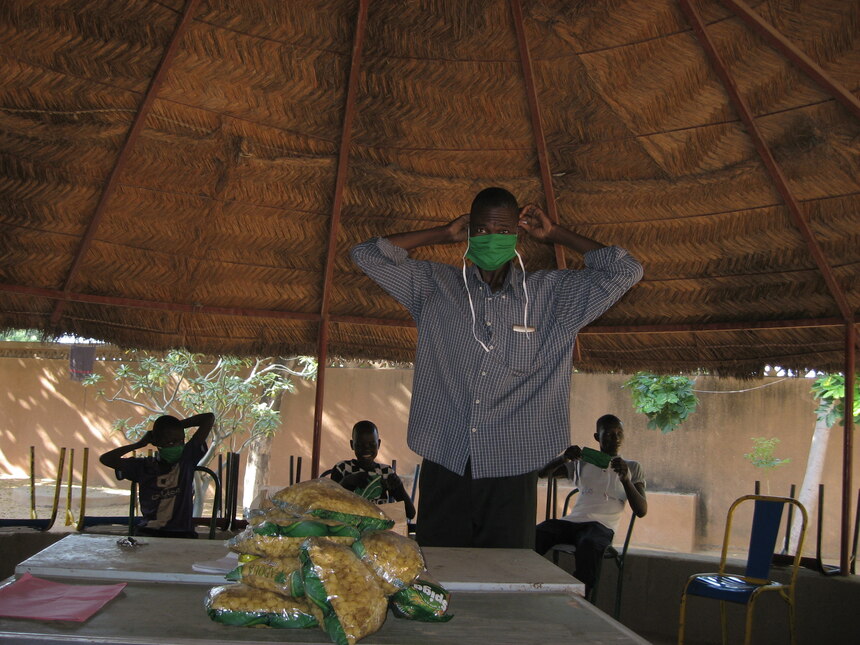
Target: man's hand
(573,453)
(458,229)
(145,440)
(535,222)
(620,466)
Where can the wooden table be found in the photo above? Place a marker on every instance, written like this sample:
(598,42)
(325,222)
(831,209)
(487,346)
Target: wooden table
(98,557)
(147,613)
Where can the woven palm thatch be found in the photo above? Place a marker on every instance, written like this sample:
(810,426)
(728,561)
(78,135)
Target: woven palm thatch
(171,172)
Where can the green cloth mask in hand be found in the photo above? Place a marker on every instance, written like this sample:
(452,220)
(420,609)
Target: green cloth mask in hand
(170,454)
(492,251)
(596,458)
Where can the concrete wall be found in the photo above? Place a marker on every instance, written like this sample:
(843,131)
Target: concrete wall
(702,461)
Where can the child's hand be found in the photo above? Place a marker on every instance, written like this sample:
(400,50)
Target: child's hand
(620,466)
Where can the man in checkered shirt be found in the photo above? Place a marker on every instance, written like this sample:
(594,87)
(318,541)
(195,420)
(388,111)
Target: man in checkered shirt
(491,388)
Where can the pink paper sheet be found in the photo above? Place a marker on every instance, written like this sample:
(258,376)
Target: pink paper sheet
(30,597)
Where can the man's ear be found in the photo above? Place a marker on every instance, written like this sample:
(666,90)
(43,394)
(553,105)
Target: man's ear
(351,445)
(597,437)
(378,442)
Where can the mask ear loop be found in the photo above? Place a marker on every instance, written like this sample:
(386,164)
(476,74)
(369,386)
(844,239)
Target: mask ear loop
(471,306)
(526,294)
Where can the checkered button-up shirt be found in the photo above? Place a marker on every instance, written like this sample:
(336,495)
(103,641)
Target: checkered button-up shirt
(506,408)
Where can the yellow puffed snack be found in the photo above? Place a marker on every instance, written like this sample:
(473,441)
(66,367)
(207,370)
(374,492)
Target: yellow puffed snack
(350,596)
(397,560)
(325,498)
(282,540)
(280,575)
(245,606)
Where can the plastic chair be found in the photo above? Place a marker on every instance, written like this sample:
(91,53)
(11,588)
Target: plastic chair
(745,589)
(611,553)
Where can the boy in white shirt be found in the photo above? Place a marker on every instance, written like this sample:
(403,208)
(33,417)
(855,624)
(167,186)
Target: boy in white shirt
(605,482)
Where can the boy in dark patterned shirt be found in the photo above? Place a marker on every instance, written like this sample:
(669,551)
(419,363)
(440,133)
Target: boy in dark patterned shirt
(377,482)
(166,480)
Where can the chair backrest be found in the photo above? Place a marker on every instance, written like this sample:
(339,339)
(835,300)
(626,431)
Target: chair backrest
(216,502)
(566,509)
(767,516)
(551,512)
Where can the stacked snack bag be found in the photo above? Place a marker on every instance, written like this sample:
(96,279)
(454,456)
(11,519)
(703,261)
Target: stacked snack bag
(317,554)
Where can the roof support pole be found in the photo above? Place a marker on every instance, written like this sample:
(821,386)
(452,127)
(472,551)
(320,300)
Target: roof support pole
(794,55)
(847,444)
(793,206)
(334,230)
(134,131)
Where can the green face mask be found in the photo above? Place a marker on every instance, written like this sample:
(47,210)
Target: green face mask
(171,454)
(492,251)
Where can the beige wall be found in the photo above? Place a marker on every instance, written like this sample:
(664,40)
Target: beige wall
(41,406)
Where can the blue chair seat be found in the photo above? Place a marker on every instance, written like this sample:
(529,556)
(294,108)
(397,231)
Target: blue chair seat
(744,589)
(728,588)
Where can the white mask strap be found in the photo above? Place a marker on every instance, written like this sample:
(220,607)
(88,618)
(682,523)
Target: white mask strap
(526,294)
(471,306)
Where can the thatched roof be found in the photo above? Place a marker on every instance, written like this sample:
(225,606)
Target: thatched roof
(170,174)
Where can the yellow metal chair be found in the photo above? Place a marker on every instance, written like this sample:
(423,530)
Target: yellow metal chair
(745,589)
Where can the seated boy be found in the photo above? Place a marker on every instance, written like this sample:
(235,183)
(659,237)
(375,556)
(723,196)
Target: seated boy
(366,477)
(166,480)
(603,489)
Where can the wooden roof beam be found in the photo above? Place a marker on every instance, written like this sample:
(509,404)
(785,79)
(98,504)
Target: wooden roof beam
(334,228)
(154,305)
(767,158)
(134,131)
(540,139)
(794,55)
(537,124)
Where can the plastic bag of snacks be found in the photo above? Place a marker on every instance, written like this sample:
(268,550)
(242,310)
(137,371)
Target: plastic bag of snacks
(328,499)
(275,514)
(395,559)
(281,575)
(348,594)
(282,541)
(425,600)
(245,606)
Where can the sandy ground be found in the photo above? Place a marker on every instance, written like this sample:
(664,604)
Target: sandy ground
(15,500)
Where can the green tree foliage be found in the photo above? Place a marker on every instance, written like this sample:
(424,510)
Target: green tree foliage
(666,400)
(21,335)
(762,454)
(241,392)
(829,391)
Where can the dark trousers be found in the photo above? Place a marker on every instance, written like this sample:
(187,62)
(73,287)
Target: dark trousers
(589,538)
(456,510)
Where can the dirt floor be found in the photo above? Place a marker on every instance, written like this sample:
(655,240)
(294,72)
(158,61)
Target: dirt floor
(15,500)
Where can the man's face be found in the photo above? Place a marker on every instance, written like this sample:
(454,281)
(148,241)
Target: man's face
(366,447)
(610,439)
(499,219)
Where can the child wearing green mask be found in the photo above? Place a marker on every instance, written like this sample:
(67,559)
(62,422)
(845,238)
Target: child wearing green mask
(166,480)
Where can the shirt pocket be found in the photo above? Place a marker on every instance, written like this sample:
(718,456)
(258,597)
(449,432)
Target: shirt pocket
(521,352)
